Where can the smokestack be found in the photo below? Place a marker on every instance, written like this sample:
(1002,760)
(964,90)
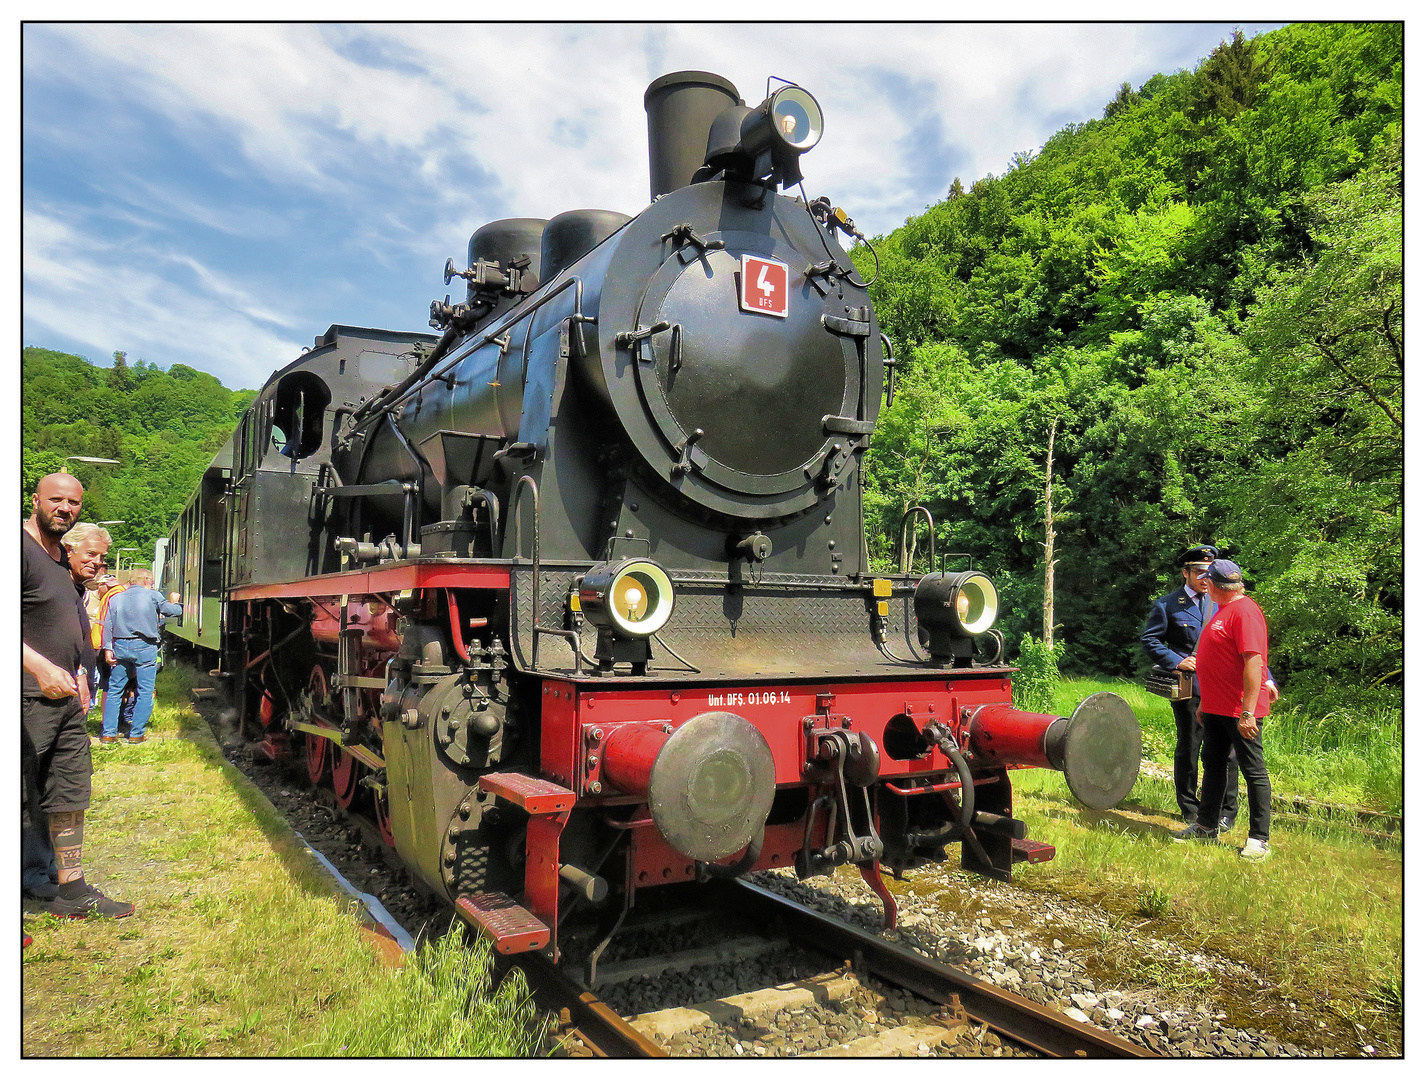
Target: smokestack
(681,107)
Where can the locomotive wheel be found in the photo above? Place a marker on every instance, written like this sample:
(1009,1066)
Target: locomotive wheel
(344,784)
(316,758)
(316,745)
(383,819)
(266,709)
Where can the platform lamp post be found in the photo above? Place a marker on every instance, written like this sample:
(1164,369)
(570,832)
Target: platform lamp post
(64,468)
(106,524)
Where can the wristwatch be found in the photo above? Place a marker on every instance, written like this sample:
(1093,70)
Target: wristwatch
(1246,715)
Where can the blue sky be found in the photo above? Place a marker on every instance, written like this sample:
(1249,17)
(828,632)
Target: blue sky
(216,195)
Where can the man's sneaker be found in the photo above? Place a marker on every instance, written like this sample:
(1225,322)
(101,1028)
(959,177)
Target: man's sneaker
(1256,850)
(1194,832)
(90,902)
(137,738)
(1225,825)
(108,740)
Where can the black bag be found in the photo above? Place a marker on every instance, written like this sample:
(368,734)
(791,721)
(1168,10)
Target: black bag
(1171,683)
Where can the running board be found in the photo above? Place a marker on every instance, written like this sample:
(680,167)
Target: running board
(531,794)
(510,928)
(1031,851)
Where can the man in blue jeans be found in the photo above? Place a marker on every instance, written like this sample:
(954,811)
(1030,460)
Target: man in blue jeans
(131,647)
(1170,639)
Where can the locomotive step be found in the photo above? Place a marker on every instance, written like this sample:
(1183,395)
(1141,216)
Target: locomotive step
(529,793)
(1031,851)
(510,928)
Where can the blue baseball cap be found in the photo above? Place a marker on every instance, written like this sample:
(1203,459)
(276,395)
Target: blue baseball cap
(1225,572)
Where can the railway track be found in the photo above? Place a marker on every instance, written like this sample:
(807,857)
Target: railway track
(950,1005)
(582,1015)
(1027,1023)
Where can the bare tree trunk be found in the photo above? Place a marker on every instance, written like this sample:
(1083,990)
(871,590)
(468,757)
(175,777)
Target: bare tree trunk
(1049,538)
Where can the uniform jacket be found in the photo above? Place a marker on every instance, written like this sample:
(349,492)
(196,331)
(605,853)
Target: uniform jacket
(1174,622)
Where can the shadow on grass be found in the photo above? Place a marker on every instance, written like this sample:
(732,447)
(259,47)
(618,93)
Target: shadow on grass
(301,867)
(1108,819)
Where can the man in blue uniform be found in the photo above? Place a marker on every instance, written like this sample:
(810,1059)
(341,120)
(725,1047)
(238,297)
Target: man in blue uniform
(131,646)
(1170,638)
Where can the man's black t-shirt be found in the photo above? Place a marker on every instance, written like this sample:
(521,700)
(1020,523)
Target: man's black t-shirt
(52,619)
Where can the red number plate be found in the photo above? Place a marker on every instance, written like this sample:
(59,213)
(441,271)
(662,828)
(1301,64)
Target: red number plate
(764,286)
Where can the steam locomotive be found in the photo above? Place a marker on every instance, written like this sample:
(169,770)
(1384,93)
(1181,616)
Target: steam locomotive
(573,595)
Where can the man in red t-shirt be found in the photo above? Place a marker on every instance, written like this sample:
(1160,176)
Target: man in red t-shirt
(1231,662)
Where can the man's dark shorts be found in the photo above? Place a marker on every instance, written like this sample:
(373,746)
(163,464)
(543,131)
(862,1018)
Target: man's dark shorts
(55,753)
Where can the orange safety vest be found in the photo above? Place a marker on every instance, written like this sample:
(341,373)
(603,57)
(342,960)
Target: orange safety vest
(96,626)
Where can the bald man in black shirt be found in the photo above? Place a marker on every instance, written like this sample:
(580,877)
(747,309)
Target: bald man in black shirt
(57,654)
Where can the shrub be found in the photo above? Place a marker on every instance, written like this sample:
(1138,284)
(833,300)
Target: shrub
(1038,674)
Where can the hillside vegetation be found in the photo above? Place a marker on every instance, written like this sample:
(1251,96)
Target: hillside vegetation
(163,427)
(1201,294)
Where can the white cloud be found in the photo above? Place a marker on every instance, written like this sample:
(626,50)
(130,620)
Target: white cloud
(341,164)
(97,296)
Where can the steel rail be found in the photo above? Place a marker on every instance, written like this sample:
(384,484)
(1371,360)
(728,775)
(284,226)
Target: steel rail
(1028,1023)
(604,1031)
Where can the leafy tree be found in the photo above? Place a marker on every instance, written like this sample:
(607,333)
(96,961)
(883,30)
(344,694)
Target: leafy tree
(1204,287)
(1230,80)
(1124,100)
(1325,520)
(163,428)
(119,376)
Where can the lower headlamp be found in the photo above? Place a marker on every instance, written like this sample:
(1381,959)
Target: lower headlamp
(633,598)
(951,609)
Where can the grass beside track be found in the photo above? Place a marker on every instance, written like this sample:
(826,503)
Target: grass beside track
(1321,920)
(239,946)
(1349,759)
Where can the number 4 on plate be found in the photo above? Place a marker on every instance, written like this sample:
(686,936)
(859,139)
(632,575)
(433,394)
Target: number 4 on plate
(764,286)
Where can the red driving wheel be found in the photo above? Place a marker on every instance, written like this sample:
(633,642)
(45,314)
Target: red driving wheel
(316,744)
(265,709)
(344,778)
(316,758)
(383,819)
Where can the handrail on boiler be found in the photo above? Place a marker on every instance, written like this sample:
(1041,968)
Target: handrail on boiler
(528,482)
(906,559)
(406,389)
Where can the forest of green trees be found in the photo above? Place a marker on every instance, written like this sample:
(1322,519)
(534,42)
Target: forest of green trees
(163,427)
(1200,293)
